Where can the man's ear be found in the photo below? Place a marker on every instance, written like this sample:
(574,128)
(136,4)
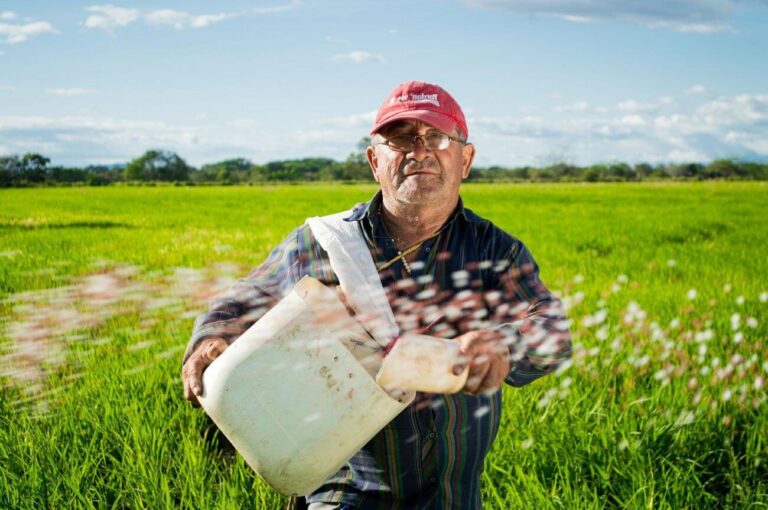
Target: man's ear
(373,161)
(467,157)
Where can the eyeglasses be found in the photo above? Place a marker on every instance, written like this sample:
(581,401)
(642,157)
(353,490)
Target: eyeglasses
(431,141)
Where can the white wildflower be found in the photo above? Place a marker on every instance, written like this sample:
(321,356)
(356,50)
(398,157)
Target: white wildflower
(740,300)
(692,294)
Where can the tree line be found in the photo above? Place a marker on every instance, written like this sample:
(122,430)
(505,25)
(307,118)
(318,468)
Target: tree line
(33,169)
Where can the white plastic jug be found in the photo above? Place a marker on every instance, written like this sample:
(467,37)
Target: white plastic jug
(291,395)
(423,363)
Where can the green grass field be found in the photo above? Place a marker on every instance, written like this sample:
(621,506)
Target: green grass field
(664,405)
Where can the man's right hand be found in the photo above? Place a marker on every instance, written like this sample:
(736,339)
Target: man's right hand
(192,371)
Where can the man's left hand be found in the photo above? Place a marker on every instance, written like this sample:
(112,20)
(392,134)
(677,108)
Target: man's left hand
(488,359)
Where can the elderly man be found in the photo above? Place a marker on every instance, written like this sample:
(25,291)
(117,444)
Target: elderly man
(445,270)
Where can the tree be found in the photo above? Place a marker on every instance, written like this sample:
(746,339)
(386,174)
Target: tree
(230,171)
(33,166)
(157,165)
(356,166)
(10,169)
(643,170)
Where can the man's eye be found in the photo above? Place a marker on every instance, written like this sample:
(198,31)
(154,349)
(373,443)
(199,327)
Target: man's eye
(401,140)
(434,137)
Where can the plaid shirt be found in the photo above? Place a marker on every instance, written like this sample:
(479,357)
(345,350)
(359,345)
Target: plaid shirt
(471,276)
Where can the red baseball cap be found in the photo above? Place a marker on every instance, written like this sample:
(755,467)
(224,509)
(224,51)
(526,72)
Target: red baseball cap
(425,102)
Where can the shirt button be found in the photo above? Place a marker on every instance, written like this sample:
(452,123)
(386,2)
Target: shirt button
(432,480)
(431,435)
(427,250)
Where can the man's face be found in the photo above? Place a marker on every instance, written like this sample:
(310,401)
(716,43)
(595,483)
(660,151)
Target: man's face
(420,176)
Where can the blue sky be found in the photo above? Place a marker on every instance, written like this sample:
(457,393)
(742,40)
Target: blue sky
(581,81)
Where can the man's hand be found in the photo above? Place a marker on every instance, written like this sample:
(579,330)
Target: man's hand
(488,359)
(192,371)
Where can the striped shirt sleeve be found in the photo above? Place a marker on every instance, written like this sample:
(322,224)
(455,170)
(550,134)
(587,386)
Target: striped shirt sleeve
(537,330)
(248,299)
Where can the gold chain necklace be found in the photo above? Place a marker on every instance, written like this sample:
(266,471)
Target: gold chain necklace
(402,254)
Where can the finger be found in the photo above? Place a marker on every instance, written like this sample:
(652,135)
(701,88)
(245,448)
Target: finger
(215,349)
(191,397)
(196,377)
(193,373)
(468,348)
(494,377)
(477,373)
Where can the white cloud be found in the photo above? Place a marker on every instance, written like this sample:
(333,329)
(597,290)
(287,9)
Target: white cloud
(693,16)
(359,57)
(15,34)
(655,131)
(77,140)
(277,8)
(633,106)
(579,106)
(632,120)
(700,129)
(181,19)
(357,120)
(71,91)
(578,19)
(7,15)
(108,17)
(335,40)
(697,90)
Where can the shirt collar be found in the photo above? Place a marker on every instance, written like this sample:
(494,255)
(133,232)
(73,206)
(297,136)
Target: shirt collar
(370,209)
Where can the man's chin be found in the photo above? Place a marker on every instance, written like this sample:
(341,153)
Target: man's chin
(418,194)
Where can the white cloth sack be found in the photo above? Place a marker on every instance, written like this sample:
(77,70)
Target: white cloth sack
(353,265)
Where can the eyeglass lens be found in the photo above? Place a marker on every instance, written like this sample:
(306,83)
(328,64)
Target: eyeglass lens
(431,141)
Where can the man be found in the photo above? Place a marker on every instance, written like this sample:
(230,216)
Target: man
(445,270)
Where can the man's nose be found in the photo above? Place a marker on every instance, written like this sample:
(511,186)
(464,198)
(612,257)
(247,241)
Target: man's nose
(419,150)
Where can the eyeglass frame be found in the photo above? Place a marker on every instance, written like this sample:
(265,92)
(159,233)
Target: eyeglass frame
(423,142)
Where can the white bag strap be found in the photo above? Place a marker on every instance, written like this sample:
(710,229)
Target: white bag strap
(352,263)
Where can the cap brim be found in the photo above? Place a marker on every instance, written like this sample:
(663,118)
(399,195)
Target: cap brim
(434,119)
